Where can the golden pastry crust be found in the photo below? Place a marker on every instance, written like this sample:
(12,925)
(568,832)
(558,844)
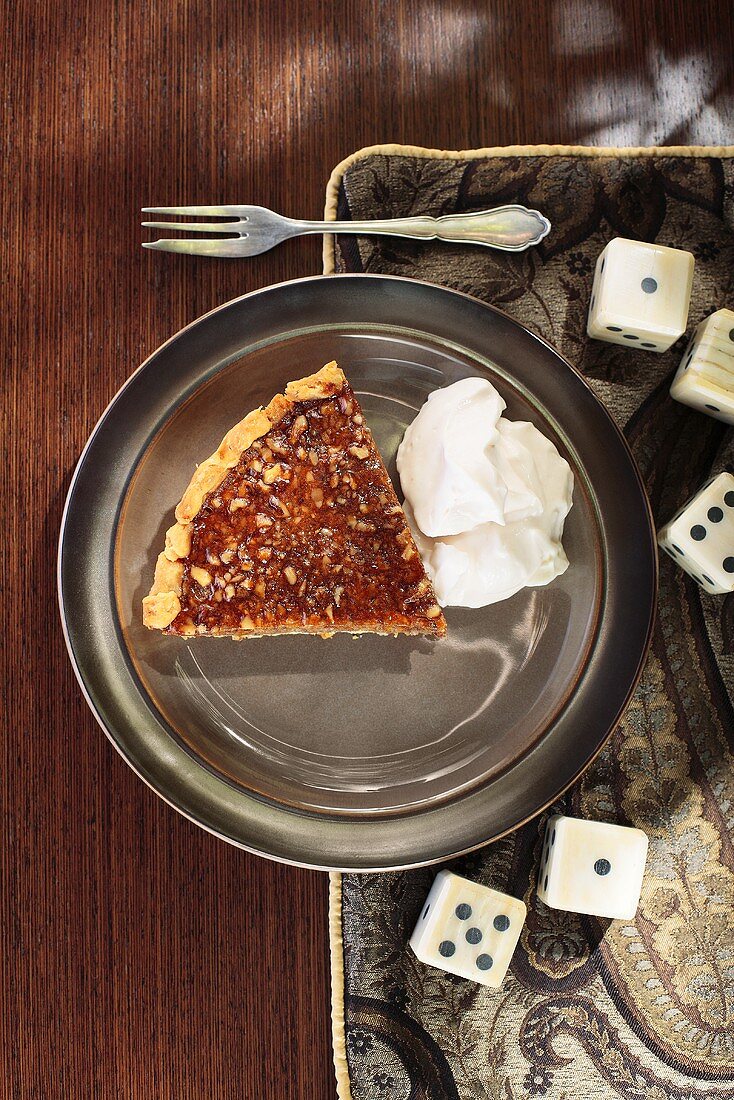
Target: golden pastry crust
(162,604)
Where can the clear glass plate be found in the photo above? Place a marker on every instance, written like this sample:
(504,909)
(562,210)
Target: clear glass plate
(362,724)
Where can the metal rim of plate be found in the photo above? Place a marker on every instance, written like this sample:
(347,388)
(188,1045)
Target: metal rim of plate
(131,721)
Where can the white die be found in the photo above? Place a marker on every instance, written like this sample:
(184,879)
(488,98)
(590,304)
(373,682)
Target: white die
(592,867)
(700,536)
(468,929)
(640,295)
(705,377)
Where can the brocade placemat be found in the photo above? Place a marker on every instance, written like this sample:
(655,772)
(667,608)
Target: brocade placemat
(642,1009)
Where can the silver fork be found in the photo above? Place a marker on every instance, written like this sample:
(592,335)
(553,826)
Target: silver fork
(256,229)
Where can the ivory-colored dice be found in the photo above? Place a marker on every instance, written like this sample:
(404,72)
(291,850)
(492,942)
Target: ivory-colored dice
(700,536)
(705,377)
(468,929)
(640,295)
(592,867)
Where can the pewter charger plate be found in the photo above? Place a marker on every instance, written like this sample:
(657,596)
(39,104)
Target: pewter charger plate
(368,753)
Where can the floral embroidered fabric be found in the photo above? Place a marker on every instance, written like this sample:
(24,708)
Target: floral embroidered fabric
(643,1009)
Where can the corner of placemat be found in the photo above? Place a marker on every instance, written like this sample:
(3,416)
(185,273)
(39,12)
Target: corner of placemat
(336,952)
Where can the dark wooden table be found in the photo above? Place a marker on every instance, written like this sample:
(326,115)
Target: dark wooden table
(142,957)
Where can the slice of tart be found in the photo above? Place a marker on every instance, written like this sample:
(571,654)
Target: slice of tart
(293,527)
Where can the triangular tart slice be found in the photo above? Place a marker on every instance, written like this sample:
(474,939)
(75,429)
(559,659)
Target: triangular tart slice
(293,527)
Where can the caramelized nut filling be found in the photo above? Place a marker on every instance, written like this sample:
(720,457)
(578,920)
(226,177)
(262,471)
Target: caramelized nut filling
(305,533)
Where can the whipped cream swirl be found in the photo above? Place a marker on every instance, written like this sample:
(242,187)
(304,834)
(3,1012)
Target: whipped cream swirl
(486,497)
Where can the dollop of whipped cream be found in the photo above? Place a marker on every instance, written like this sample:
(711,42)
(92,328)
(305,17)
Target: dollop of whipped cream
(486,497)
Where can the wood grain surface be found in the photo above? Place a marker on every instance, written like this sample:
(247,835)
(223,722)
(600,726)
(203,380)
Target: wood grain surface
(141,957)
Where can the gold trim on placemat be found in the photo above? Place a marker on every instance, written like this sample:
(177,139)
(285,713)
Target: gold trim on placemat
(336,951)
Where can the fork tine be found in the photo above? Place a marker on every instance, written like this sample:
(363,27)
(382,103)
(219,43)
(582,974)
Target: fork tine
(197,227)
(225,246)
(203,211)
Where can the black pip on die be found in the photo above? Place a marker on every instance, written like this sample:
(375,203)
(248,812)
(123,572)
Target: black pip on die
(640,295)
(700,537)
(468,929)
(592,867)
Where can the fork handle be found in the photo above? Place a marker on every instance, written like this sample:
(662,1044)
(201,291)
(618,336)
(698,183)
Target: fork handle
(511,228)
